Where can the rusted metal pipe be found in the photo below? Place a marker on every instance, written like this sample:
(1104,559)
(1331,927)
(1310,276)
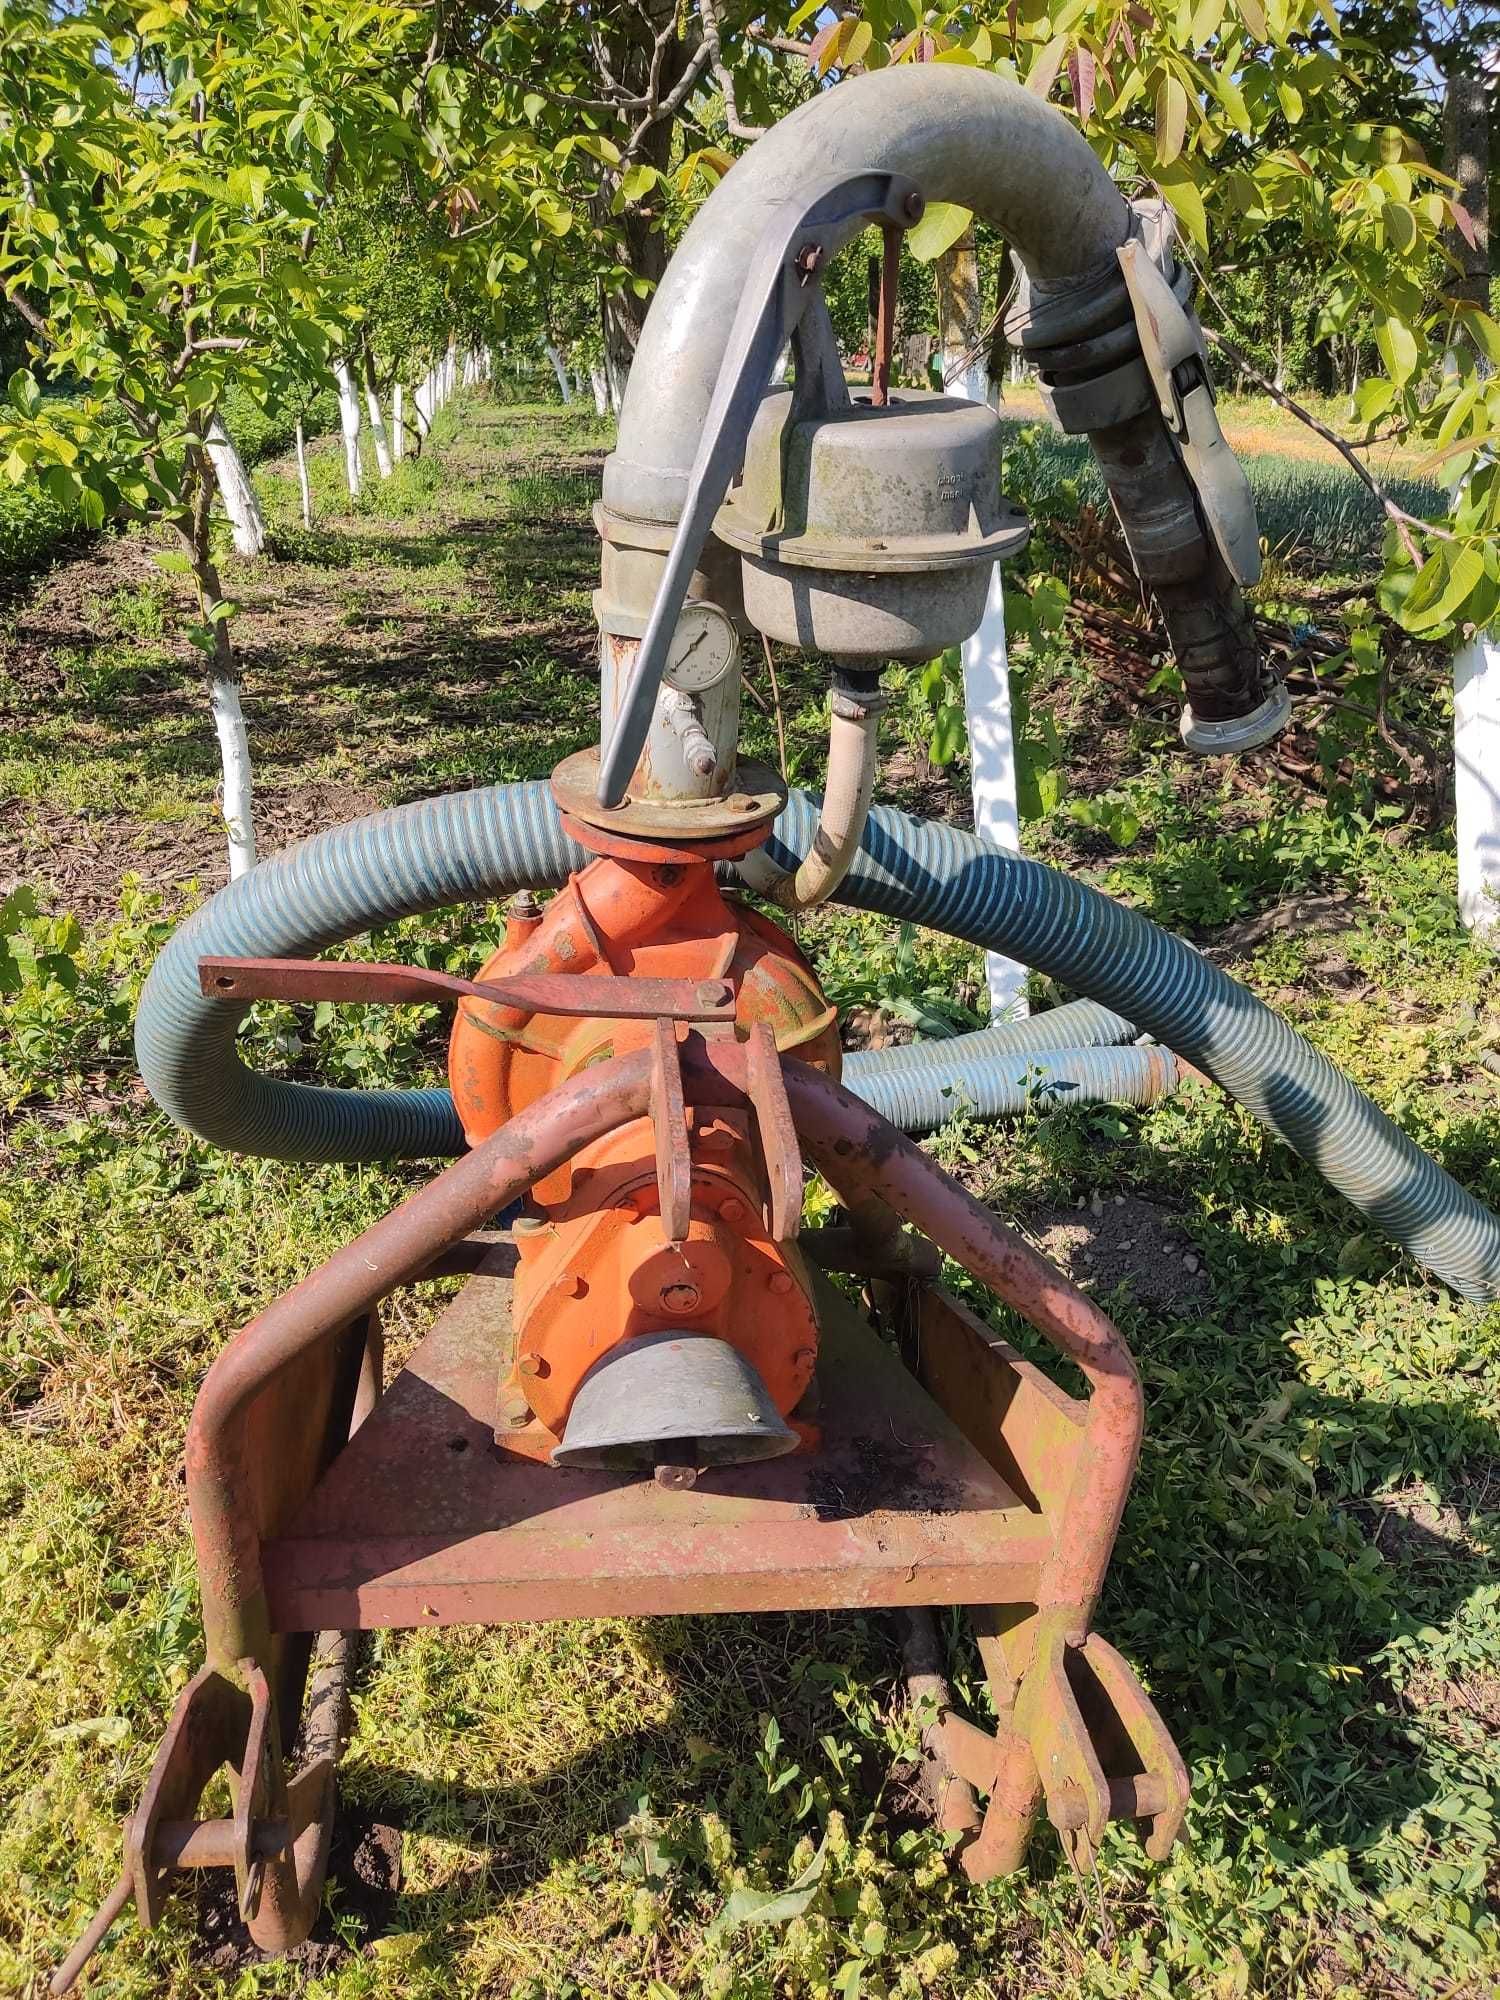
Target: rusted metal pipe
(354,1280)
(858,1152)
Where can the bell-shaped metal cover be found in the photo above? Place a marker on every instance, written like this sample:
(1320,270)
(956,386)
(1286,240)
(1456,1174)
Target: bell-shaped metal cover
(676,1397)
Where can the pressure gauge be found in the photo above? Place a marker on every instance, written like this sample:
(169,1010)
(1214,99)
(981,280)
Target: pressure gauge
(702,650)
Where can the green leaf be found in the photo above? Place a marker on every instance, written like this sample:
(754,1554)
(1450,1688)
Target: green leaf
(24,394)
(173,561)
(637,181)
(1461,571)
(247,185)
(1182,192)
(1373,398)
(1398,348)
(758,1906)
(1400,226)
(942,224)
(1482,330)
(1254,17)
(1171,119)
(1290,98)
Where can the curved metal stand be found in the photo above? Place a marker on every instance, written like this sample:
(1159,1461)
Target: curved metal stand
(295,1531)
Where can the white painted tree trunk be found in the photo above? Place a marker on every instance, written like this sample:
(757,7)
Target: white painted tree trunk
(398,423)
(303,482)
(564,387)
(349,425)
(377,432)
(599,383)
(992,742)
(1476,782)
(992,765)
(234,758)
(235,490)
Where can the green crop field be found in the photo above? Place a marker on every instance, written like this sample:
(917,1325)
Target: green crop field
(1305,1577)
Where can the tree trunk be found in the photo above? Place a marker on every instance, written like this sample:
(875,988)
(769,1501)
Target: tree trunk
(303,482)
(637,63)
(599,383)
(377,421)
(1466,147)
(961,322)
(349,424)
(237,785)
(234,763)
(558,369)
(398,423)
(238,495)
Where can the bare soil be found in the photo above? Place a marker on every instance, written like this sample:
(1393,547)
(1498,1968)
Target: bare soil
(1115,1240)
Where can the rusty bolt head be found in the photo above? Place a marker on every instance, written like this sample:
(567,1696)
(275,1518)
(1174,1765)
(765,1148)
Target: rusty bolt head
(677,1477)
(804,1357)
(680,1298)
(781,1282)
(808,259)
(732,1210)
(913,206)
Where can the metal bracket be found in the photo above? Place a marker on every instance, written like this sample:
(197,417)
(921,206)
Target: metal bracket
(1173,351)
(1102,1751)
(800,237)
(572,993)
(674,1164)
(766,1089)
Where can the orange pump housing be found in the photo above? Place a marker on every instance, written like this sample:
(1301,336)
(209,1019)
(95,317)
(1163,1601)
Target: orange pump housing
(596,1266)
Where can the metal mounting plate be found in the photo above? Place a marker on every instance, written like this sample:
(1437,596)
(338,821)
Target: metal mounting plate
(424,1520)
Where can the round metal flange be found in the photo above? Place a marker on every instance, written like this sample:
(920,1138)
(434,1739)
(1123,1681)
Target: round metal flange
(758,795)
(1238,733)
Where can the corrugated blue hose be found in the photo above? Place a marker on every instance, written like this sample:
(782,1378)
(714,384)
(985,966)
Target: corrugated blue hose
(473,846)
(1000,1084)
(1081,1024)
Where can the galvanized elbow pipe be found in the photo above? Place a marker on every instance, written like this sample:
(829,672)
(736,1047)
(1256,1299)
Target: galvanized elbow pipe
(968,137)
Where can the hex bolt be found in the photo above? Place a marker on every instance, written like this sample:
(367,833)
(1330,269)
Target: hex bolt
(528,1225)
(913,206)
(808,259)
(781,1281)
(731,1210)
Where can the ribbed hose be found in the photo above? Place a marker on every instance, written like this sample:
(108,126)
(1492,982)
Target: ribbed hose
(998,1086)
(1081,1024)
(924,872)
(473,846)
(467,847)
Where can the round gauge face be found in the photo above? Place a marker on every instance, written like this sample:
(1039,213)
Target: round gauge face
(702,649)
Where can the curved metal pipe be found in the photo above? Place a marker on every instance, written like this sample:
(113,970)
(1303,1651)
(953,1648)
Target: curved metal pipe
(963,135)
(968,137)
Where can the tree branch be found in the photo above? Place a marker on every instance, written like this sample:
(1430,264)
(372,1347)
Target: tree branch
(723,74)
(28,312)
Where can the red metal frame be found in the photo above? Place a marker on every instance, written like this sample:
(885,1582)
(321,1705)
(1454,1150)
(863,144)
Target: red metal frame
(1024,1535)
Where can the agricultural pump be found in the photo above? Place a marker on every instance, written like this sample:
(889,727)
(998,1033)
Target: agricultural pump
(648,1397)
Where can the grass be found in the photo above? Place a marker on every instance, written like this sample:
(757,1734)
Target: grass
(1305,1574)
